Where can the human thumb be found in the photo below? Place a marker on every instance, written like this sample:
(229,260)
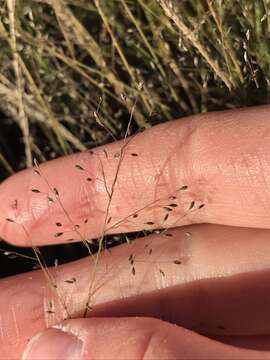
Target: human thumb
(129,339)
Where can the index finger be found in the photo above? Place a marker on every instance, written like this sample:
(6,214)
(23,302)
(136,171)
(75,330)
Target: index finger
(207,168)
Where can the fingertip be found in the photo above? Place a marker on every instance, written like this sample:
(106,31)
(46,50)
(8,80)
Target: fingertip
(81,339)
(15,217)
(53,344)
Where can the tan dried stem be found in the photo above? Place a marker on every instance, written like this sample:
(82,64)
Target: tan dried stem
(23,119)
(171,11)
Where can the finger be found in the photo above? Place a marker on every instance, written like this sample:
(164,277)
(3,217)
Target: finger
(222,159)
(209,278)
(129,338)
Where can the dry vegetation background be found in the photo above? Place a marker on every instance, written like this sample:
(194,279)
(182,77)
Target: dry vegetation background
(71,72)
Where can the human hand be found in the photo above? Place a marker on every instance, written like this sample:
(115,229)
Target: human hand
(209,278)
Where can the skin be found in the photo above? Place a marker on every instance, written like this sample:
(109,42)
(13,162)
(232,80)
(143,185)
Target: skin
(215,302)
